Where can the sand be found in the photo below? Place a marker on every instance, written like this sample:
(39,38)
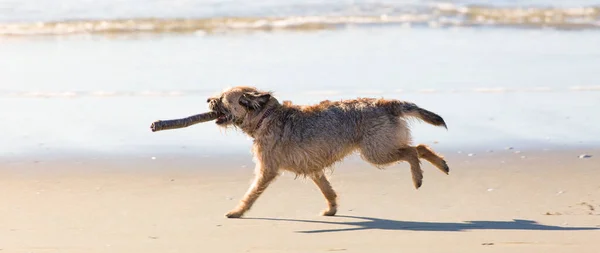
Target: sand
(502,201)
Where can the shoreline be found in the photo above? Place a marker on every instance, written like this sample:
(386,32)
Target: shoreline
(192,160)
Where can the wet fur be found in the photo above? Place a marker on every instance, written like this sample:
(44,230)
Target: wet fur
(306,140)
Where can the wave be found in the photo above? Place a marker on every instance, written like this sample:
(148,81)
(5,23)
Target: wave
(202,93)
(438,16)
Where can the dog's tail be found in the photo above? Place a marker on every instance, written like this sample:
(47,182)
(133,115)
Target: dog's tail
(410,109)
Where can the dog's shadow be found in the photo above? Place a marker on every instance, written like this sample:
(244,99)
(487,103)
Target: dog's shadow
(369,223)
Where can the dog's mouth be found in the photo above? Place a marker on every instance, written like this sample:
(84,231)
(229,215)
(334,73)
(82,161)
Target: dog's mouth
(224,118)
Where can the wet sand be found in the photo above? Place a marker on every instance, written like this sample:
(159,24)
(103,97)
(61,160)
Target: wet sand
(529,201)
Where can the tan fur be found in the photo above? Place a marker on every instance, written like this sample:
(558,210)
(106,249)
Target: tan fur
(306,140)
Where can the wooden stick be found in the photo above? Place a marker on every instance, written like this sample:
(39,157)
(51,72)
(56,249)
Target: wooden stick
(184,122)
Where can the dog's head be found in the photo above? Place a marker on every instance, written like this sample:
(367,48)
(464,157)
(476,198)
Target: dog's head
(239,105)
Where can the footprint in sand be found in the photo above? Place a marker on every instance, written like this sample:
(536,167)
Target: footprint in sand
(583,208)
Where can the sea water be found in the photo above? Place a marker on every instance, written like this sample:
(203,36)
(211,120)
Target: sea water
(91,76)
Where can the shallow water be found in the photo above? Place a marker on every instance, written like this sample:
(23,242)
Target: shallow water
(501,73)
(494,87)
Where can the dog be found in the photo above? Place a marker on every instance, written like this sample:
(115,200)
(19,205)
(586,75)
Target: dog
(306,140)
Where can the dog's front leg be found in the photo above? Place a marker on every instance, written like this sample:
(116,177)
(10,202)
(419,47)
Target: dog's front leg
(264,176)
(325,187)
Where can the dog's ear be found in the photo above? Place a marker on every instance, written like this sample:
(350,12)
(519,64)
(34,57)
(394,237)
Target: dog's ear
(254,100)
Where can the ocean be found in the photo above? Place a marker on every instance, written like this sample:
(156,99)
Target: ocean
(90,77)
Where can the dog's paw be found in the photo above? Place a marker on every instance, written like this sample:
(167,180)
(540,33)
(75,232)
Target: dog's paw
(234,214)
(445,168)
(329,212)
(418,183)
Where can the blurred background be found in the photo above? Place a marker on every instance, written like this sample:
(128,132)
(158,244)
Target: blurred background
(89,77)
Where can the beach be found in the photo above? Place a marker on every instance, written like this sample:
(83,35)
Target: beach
(490,202)
(81,82)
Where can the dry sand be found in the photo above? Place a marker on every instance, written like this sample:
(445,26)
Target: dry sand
(544,201)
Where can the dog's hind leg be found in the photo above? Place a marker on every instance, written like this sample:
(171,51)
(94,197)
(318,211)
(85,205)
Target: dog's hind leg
(409,154)
(426,153)
(262,179)
(325,187)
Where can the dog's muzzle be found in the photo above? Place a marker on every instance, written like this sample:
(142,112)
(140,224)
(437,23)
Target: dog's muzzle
(216,106)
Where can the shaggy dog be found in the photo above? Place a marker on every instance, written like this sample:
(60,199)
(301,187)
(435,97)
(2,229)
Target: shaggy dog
(307,139)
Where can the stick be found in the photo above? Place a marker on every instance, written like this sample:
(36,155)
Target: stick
(184,122)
